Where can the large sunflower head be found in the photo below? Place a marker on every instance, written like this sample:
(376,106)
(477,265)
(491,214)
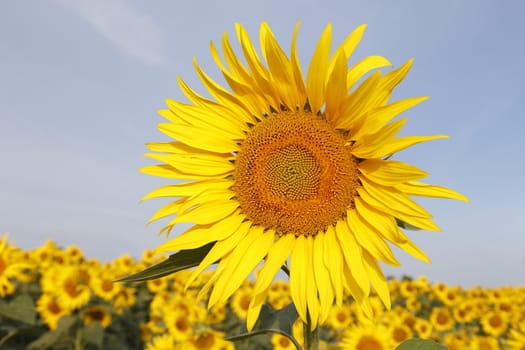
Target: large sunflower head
(280,167)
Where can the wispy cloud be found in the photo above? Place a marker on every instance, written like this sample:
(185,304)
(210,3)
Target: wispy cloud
(133,32)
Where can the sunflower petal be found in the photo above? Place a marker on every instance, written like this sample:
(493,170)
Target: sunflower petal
(244,258)
(298,276)
(358,70)
(352,255)
(369,239)
(422,189)
(200,235)
(318,70)
(219,250)
(390,172)
(378,279)
(322,277)
(333,260)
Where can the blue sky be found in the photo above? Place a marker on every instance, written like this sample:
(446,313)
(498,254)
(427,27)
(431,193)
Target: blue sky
(81,81)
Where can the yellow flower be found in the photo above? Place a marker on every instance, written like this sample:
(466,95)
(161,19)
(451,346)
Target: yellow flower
(179,325)
(71,284)
(98,314)
(369,337)
(280,342)
(516,339)
(282,167)
(207,340)
(485,343)
(441,319)
(161,342)
(49,310)
(494,323)
(423,328)
(10,267)
(400,332)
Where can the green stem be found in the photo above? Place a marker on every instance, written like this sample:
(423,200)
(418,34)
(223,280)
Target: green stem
(311,338)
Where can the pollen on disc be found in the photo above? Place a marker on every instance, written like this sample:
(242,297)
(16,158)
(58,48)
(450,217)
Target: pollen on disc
(294,175)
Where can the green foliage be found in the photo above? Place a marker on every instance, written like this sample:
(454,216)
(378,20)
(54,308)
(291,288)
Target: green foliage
(272,321)
(21,309)
(181,260)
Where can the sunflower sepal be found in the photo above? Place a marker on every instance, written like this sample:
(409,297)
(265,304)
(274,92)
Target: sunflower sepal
(420,344)
(406,226)
(272,321)
(182,260)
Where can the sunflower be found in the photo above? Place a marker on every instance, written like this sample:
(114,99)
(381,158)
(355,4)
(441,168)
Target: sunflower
(280,167)
(50,310)
(494,323)
(10,267)
(98,314)
(516,338)
(369,337)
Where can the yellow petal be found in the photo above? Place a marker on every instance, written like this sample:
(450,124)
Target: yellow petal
(167,210)
(369,239)
(390,172)
(395,199)
(368,146)
(273,262)
(280,68)
(311,285)
(333,260)
(209,139)
(219,250)
(196,164)
(364,66)
(322,277)
(167,171)
(207,213)
(422,189)
(297,71)
(399,144)
(378,279)
(421,222)
(244,258)
(275,259)
(298,276)
(318,70)
(336,87)
(254,309)
(372,121)
(408,246)
(352,255)
(382,222)
(200,235)
(356,103)
(348,46)
(188,189)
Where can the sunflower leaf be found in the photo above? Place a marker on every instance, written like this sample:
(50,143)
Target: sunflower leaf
(21,309)
(272,321)
(420,344)
(181,260)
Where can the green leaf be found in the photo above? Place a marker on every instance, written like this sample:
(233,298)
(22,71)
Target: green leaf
(181,260)
(406,226)
(282,319)
(272,321)
(93,334)
(420,344)
(47,340)
(21,308)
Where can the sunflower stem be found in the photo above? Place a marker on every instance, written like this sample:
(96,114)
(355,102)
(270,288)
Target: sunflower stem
(311,337)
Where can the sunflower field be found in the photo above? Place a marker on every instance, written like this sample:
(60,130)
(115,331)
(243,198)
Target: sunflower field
(56,298)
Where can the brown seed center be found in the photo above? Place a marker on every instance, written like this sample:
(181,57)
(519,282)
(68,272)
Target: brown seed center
(294,174)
